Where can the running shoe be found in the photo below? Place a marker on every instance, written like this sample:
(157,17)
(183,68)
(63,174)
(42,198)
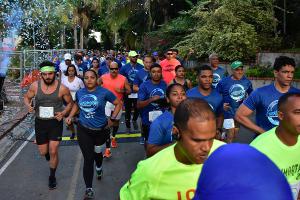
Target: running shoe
(99,174)
(142,141)
(89,194)
(52,183)
(107,153)
(114,142)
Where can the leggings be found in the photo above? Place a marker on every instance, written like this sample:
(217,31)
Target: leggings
(87,140)
(129,104)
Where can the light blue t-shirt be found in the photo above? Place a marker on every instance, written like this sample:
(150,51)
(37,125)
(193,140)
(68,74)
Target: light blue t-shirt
(160,132)
(214,99)
(148,90)
(141,76)
(92,106)
(218,74)
(234,92)
(265,101)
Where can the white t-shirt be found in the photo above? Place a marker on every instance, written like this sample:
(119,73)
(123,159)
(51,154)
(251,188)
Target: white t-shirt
(73,86)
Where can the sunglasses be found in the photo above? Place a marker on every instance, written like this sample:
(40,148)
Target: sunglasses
(169,53)
(114,69)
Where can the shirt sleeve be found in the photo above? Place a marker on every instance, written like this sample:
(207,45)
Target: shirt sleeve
(250,89)
(136,80)
(81,84)
(110,96)
(142,95)
(138,187)
(155,132)
(252,101)
(220,87)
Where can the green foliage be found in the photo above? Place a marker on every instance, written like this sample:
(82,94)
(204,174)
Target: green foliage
(263,71)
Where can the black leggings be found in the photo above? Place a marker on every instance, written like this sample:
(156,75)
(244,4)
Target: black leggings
(129,103)
(87,140)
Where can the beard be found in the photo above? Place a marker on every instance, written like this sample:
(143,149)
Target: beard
(48,81)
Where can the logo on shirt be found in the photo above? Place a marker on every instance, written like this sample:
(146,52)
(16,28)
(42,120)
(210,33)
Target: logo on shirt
(157,92)
(272,113)
(88,103)
(216,79)
(237,92)
(131,74)
(211,106)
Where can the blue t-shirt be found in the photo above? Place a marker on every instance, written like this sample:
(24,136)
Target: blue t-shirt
(234,92)
(104,69)
(160,132)
(141,76)
(265,101)
(214,99)
(82,67)
(130,72)
(92,106)
(218,74)
(148,90)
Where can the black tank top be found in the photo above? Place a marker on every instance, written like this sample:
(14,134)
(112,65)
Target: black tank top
(185,85)
(47,100)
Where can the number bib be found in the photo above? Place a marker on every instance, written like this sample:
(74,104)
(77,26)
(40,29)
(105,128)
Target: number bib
(228,123)
(154,114)
(46,112)
(133,96)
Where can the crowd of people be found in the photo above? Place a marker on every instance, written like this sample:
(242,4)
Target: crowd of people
(183,127)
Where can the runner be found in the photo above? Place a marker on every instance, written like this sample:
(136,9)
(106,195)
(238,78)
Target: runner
(49,95)
(282,144)
(173,172)
(240,172)
(82,67)
(218,72)
(93,126)
(118,85)
(151,99)
(168,66)
(265,99)
(71,81)
(95,66)
(161,134)
(205,91)
(180,78)
(234,89)
(64,65)
(129,71)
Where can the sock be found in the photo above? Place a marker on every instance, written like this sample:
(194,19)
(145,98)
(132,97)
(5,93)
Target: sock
(98,168)
(52,172)
(47,156)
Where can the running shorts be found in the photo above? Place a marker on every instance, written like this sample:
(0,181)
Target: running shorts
(46,130)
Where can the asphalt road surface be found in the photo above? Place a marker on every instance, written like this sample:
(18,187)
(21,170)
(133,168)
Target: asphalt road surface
(24,173)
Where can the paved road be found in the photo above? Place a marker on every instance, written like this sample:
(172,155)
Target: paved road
(27,175)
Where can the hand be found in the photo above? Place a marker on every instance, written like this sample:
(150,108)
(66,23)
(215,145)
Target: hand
(226,106)
(155,98)
(30,109)
(59,116)
(68,120)
(119,90)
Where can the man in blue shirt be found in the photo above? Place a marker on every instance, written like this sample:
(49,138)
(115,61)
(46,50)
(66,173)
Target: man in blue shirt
(206,92)
(234,89)
(143,74)
(82,67)
(129,71)
(218,72)
(151,98)
(264,100)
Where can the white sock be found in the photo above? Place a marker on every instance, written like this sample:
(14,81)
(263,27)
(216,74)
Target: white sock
(98,169)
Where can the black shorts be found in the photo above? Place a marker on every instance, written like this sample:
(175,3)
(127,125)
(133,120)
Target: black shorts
(87,136)
(46,130)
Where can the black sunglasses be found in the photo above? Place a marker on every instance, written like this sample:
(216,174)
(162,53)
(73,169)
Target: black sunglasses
(114,69)
(169,53)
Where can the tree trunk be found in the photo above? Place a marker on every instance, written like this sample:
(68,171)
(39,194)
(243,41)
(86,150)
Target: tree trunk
(81,38)
(75,37)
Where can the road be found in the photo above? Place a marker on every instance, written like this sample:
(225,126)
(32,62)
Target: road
(24,176)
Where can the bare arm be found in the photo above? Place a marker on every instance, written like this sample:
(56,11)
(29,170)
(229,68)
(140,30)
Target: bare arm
(29,96)
(135,88)
(242,116)
(220,120)
(189,83)
(152,149)
(127,87)
(65,93)
(99,81)
(118,106)
(142,104)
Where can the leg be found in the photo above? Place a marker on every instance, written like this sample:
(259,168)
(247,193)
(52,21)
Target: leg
(230,135)
(128,108)
(43,149)
(86,145)
(53,151)
(72,129)
(99,140)
(136,111)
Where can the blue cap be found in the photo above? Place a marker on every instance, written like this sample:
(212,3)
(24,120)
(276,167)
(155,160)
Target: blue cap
(155,53)
(239,171)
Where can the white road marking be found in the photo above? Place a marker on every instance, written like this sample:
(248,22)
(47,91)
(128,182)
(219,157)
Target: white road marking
(13,157)
(76,172)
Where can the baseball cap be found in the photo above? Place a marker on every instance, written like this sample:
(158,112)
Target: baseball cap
(155,53)
(67,56)
(132,54)
(245,174)
(236,64)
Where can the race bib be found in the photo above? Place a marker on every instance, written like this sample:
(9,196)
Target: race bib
(154,114)
(133,96)
(46,112)
(228,123)
(73,94)
(295,189)
(80,73)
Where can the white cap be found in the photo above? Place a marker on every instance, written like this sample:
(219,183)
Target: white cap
(67,56)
